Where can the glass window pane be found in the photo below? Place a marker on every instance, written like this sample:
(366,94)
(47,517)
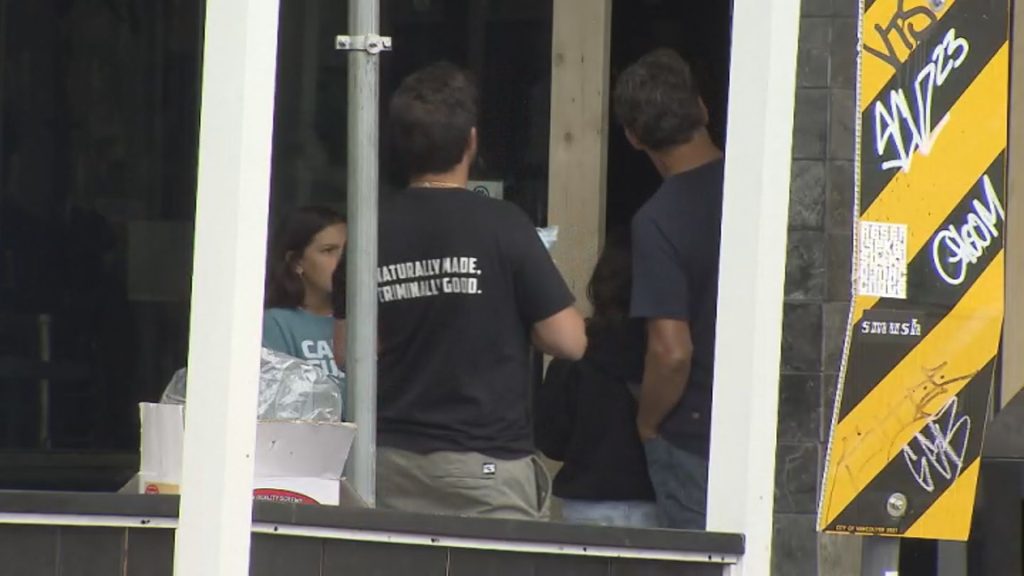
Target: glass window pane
(98,131)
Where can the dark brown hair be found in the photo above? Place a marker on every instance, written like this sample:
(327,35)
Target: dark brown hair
(658,101)
(284,286)
(611,282)
(431,116)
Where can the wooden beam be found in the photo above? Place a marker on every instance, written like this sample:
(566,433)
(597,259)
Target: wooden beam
(580,54)
(1013,319)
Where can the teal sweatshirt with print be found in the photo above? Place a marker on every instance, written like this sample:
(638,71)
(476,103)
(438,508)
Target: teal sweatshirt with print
(306,336)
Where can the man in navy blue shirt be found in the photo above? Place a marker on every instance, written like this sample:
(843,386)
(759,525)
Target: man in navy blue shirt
(675,277)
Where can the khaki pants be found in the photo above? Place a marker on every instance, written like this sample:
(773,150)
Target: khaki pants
(462,483)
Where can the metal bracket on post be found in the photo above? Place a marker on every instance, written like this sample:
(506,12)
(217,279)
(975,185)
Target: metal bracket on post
(880,556)
(370,43)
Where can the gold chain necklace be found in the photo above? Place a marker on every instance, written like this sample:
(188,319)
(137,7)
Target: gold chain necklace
(432,184)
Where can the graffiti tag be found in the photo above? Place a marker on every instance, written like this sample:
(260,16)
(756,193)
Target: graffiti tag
(902,32)
(939,449)
(901,129)
(956,248)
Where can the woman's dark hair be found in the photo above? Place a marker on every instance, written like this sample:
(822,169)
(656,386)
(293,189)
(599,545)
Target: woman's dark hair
(431,116)
(611,281)
(284,287)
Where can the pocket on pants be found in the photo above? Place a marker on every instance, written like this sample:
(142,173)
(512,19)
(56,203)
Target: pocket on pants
(462,466)
(543,481)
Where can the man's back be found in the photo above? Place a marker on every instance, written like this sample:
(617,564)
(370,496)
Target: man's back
(677,236)
(462,279)
(464,284)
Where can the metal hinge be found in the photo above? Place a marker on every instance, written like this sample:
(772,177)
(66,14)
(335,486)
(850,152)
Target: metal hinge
(371,43)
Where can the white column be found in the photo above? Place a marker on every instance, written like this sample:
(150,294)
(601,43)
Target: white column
(239,61)
(753,257)
(1013,320)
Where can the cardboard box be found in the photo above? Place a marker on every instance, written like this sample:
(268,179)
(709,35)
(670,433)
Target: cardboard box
(298,462)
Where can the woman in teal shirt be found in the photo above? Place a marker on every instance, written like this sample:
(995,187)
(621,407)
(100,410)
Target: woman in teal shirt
(304,252)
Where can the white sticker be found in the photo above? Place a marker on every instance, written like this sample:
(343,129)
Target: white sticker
(490,188)
(882,260)
(548,236)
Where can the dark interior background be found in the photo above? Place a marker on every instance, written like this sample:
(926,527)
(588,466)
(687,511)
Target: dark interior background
(700,31)
(98,132)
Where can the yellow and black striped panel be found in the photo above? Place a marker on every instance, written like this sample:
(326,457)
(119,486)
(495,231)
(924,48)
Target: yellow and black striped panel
(921,345)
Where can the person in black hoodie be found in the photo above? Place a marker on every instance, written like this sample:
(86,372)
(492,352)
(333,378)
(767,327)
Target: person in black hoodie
(586,410)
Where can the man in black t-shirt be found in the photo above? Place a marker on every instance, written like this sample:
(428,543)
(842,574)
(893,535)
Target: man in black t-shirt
(675,277)
(464,286)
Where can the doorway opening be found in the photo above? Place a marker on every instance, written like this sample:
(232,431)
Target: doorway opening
(700,32)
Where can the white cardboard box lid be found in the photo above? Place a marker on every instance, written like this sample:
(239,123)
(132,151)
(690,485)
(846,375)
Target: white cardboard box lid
(303,449)
(283,448)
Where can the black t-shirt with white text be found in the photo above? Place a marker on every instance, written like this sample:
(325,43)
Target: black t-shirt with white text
(676,239)
(462,278)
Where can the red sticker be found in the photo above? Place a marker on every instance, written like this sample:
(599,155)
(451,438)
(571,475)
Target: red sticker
(278,495)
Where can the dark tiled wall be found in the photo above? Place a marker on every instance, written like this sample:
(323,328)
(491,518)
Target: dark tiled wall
(817,292)
(80,551)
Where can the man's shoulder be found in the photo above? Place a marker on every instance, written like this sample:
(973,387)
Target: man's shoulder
(669,196)
(466,223)
(706,183)
(457,203)
(652,212)
(493,216)
(685,195)
(649,209)
(501,209)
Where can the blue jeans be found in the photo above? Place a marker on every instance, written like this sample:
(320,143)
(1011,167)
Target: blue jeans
(624,513)
(680,481)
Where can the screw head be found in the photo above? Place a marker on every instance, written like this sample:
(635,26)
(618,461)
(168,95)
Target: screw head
(896,506)
(937,4)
